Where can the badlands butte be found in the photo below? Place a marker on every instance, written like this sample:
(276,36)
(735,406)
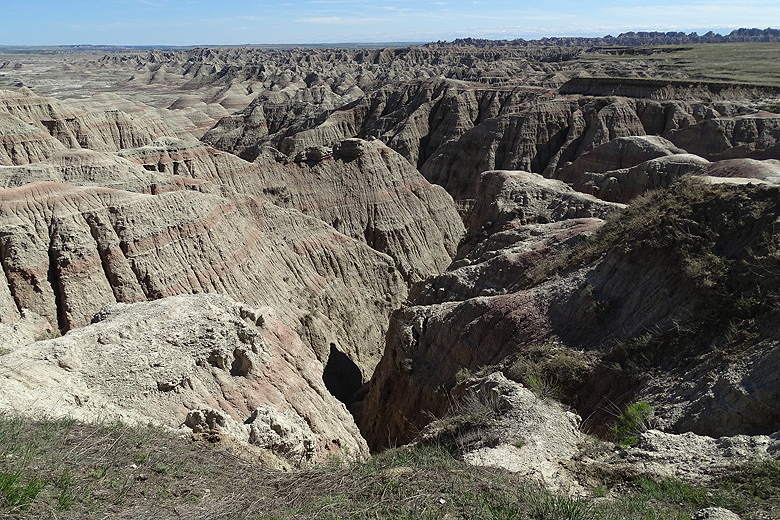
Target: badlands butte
(476,279)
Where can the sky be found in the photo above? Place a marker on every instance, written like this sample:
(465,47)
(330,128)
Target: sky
(234,22)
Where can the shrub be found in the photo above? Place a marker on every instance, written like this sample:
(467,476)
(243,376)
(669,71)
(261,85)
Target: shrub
(634,420)
(544,387)
(462,375)
(549,371)
(478,408)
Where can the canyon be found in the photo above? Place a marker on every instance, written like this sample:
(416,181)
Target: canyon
(316,253)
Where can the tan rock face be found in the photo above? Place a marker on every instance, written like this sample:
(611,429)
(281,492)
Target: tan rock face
(273,115)
(70,251)
(105,123)
(198,362)
(24,143)
(363,189)
(415,118)
(625,184)
(768,170)
(623,152)
(83,167)
(132,212)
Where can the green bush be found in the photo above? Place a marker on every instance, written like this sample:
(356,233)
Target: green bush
(543,386)
(634,420)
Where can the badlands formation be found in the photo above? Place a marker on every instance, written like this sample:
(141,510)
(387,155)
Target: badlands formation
(311,253)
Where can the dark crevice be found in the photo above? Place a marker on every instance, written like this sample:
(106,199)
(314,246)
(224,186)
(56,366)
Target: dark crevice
(14,296)
(53,277)
(103,253)
(241,365)
(341,376)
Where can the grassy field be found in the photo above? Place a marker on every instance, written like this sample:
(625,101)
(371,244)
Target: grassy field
(743,62)
(68,470)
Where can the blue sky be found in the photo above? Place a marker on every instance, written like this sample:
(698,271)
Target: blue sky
(188,22)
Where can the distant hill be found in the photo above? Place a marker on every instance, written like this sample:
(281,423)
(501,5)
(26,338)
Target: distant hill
(628,39)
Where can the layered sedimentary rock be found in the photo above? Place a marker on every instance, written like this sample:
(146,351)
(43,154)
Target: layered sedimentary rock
(104,123)
(363,189)
(635,285)
(68,251)
(89,168)
(275,114)
(625,184)
(666,89)
(23,143)
(199,362)
(768,170)
(754,136)
(546,136)
(415,118)
(521,220)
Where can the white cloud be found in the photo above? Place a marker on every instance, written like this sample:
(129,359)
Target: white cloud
(338,20)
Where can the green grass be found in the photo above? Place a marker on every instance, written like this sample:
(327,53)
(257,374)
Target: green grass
(67,470)
(549,370)
(729,62)
(543,386)
(634,420)
(16,492)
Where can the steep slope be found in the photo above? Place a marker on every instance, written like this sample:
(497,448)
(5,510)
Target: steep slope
(363,189)
(688,277)
(66,252)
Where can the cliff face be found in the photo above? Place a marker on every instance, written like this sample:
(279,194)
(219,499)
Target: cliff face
(69,251)
(453,130)
(637,301)
(125,211)
(362,189)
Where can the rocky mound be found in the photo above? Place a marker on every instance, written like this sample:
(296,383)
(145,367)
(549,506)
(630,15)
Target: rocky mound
(497,422)
(204,363)
(644,302)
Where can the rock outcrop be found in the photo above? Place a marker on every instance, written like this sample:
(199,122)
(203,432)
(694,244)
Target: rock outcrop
(198,362)
(631,292)
(497,422)
(69,251)
(362,189)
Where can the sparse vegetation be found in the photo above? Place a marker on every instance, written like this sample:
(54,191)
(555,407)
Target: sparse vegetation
(68,470)
(741,62)
(548,370)
(543,386)
(635,419)
(462,375)
(722,242)
(477,408)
